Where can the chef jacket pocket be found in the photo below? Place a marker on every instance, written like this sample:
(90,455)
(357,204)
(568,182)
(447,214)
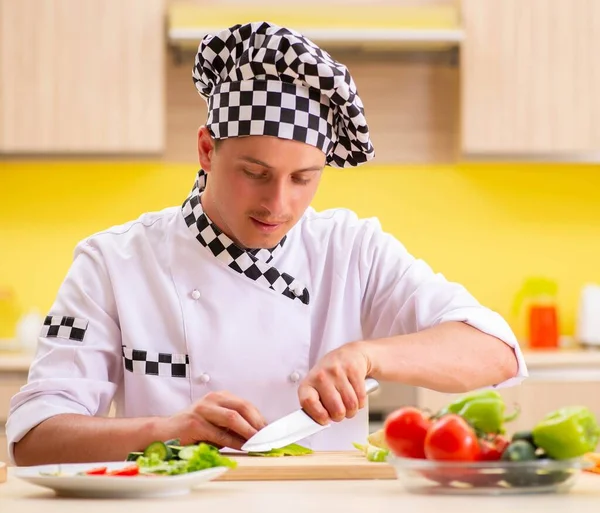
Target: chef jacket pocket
(150,363)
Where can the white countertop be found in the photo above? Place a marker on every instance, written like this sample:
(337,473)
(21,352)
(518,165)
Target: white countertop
(349,496)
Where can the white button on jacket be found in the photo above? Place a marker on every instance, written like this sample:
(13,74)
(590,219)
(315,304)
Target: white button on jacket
(136,337)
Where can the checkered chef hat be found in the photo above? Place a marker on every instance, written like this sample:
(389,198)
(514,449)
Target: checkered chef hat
(261,79)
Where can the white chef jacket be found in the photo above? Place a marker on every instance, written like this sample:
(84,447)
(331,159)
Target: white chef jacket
(150,318)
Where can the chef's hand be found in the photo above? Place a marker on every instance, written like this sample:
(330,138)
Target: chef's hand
(220,419)
(335,388)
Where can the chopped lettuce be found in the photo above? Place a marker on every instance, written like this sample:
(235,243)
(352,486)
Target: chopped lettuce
(288,450)
(372,452)
(376,449)
(377,439)
(149,461)
(203,456)
(207,456)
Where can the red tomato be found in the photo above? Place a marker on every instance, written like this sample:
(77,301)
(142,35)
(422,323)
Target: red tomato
(489,451)
(451,438)
(96,471)
(405,430)
(492,449)
(132,470)
(501,442)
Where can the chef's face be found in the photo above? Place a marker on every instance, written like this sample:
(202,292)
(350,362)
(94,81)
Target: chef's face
(258,186)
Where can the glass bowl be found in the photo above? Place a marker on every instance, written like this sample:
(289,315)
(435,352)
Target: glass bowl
(487,477)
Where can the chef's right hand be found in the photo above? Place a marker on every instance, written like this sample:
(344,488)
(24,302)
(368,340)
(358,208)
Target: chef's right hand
(220,419)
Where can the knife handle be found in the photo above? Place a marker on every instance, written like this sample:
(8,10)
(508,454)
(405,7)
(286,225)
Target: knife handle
(371,385)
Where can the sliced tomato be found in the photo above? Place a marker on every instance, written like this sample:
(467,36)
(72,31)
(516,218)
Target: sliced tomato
(96,471)
(405,430)
(132,470)
(452,438)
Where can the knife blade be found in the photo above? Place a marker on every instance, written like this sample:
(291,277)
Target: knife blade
(291,428)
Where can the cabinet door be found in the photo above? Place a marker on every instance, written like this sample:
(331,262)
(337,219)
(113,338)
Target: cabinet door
(81,76)
(530,77)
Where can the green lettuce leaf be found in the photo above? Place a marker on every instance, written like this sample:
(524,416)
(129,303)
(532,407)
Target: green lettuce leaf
(204,456)
(288,450)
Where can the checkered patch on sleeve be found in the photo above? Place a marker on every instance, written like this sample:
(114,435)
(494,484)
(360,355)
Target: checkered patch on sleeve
(156,364)
(70,328)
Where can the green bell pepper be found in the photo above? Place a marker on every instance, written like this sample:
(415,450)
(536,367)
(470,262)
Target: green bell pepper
(568,432)
(484,410)
(456,406)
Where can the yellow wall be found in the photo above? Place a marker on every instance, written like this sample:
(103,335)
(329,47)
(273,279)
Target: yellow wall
(487,226)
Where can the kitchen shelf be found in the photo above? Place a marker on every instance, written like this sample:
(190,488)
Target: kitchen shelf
(379,26)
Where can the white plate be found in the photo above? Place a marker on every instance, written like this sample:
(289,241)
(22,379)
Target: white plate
(72,485)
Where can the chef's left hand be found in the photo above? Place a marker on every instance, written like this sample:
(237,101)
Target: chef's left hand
(335,388)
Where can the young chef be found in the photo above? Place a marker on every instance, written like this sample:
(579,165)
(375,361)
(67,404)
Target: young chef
(208,320)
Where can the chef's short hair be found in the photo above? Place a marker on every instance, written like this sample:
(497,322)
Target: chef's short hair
(262,79)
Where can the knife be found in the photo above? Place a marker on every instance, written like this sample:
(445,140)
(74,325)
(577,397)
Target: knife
(291,428)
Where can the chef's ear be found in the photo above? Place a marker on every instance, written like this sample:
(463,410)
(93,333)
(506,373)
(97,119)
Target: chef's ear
(206,148)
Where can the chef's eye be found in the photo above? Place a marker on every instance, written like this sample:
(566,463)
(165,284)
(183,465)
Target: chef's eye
(255,176)
(300,181)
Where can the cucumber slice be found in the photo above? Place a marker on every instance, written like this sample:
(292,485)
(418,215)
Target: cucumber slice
(160,449)
(175,451)
(133,456)
(524,435)
(519,450)
(187,452)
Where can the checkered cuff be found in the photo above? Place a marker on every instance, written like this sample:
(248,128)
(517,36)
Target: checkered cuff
(156,364)
(70,328)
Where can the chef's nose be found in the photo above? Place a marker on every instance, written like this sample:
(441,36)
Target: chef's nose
(276,198)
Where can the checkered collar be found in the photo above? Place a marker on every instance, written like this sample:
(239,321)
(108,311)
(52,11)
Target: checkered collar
(252,263)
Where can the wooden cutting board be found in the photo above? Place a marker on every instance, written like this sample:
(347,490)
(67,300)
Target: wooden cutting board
(316,466)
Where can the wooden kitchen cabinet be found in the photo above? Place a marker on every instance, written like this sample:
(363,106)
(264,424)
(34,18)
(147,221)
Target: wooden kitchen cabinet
(82,76)
(530,78)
